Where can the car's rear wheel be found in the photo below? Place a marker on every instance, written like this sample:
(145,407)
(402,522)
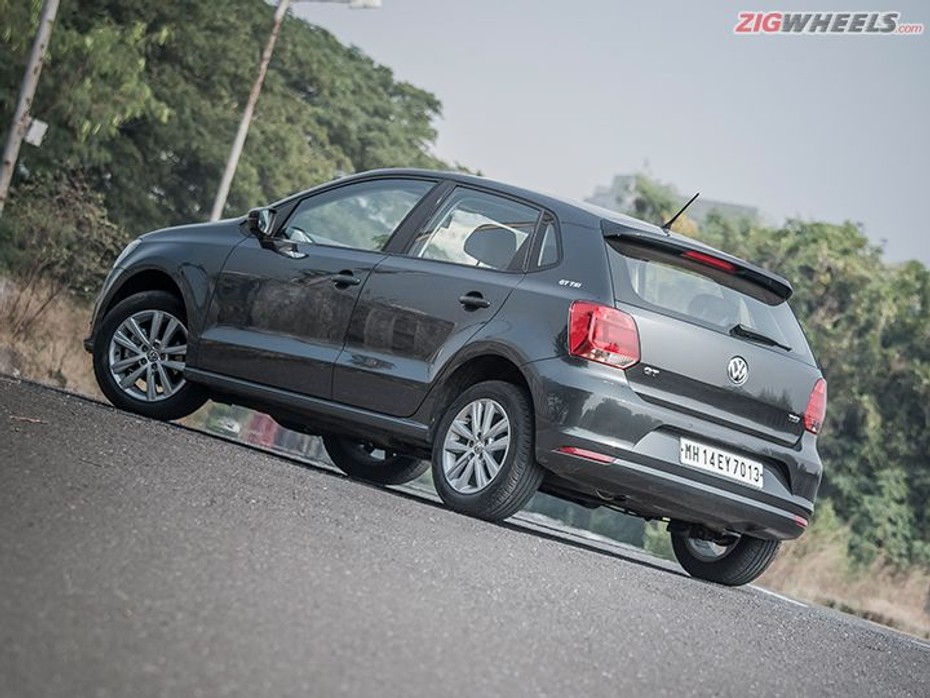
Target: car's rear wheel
(366,461)
(483,460)
(140,352)
(735,563)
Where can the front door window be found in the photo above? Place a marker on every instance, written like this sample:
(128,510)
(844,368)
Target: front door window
(362,216)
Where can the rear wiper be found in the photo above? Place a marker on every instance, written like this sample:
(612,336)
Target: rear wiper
(739,330)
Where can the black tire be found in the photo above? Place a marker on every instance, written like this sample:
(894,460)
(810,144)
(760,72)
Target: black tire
(739,563)
(360,460)
(503,494)
(178,400)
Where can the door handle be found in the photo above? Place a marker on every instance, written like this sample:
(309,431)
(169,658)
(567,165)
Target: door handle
(346,278)
(473,300)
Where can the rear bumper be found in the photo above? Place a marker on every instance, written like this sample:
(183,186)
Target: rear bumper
(650,489)
(635,444)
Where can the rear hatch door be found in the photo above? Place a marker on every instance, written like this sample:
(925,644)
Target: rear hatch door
(718,340)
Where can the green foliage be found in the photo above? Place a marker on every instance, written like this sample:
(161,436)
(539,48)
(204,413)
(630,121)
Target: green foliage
(656,203)
(869,325)
(62,233)
(58,239)
(825,523)
(92,84)
(144,99)
(882,521)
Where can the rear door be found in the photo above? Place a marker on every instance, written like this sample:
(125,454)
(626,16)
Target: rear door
(714,343)
(282,306)
(420,308)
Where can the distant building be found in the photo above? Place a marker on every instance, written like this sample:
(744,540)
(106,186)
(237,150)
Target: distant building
(620,194)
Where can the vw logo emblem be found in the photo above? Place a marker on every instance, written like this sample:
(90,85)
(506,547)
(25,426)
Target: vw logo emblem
(738,370)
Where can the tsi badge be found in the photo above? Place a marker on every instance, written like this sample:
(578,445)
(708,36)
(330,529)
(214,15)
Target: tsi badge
(738,370)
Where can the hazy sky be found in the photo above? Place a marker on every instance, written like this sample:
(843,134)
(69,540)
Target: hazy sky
(560,95)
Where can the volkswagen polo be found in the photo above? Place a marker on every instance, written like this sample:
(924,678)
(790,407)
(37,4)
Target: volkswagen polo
(515,341)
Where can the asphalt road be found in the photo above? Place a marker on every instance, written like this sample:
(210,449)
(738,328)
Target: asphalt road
(144,559)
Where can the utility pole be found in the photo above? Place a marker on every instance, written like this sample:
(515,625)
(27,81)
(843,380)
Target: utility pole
(236,150)
(219,203)
(26,93)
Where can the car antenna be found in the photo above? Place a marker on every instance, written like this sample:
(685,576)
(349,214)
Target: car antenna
(668,226)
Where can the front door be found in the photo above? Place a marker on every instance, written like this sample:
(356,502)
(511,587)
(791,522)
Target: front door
(282,306)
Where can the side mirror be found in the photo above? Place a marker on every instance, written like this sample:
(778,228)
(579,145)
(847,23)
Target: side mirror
(261,222)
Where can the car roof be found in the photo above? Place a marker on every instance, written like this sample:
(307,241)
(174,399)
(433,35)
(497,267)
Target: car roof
(585,213)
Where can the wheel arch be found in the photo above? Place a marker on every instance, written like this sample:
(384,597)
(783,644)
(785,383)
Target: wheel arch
(477,367)
(143,280)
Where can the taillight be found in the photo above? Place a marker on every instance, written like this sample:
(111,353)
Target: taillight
(604,334)
(816,407)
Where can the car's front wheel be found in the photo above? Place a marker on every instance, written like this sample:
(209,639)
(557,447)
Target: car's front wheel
(140,351)
(483,459)
(733,564)
(366,461)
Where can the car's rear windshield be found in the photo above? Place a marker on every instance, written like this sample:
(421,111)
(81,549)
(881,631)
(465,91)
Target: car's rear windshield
(664,281)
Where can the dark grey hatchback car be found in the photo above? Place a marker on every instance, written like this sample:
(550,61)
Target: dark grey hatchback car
(517,341)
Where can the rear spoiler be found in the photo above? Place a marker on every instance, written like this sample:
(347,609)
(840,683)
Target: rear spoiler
(699,253)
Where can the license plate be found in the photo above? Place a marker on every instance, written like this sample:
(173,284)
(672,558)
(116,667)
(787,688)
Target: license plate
(729,465)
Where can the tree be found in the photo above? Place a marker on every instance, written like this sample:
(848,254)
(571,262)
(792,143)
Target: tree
(657,203)
(59,239)
(143,99)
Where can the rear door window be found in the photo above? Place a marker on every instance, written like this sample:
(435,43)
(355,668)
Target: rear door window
(480,230)
(662,280)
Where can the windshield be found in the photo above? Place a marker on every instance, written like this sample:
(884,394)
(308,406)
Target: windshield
(660,280)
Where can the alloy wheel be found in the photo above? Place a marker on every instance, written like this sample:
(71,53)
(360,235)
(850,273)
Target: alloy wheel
(476,446)
(147,355)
